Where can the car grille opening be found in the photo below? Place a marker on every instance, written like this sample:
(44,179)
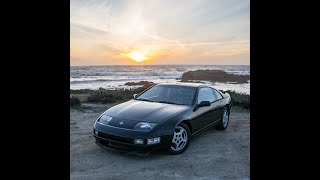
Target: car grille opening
(116,138)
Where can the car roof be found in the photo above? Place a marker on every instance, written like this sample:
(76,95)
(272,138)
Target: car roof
(183,84)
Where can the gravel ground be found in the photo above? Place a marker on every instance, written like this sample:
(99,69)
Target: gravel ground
(212,154)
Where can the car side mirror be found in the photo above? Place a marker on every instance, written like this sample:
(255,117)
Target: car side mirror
(204,103)
(201,104)
(135,95)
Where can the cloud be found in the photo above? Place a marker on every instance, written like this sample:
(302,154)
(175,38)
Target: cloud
(170,29)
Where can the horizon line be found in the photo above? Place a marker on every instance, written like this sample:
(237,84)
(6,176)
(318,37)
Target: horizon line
(164,65)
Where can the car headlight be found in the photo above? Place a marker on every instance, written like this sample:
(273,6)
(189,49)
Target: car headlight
(144,126)
(104,119)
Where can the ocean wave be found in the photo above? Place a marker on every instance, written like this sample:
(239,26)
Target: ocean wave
(98,80)
(241,73)
(88,81)
(115,76)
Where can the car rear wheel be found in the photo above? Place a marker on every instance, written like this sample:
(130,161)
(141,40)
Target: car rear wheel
(180,139)
(223,124)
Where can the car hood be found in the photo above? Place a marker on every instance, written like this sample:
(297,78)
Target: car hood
(135,110)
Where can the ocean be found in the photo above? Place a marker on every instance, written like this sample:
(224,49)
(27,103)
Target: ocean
(114,77)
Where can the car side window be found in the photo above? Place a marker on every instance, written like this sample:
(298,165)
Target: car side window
(206,94)
(217,94)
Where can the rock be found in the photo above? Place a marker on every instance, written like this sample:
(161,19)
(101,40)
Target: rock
(214,76)
(143,83)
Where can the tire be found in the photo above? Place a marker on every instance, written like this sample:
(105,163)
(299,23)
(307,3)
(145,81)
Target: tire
(181,138)
(223,124)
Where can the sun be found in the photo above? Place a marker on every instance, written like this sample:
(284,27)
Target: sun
(138,56)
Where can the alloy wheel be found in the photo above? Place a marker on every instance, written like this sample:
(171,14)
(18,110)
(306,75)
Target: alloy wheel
(180,138)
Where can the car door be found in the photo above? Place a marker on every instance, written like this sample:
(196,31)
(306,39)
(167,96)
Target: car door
(219,105)
(204,116)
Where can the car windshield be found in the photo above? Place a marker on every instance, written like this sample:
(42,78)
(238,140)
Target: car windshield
(171,94)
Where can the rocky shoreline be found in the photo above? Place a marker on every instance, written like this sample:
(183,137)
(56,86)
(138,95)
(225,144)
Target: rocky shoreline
(105,96)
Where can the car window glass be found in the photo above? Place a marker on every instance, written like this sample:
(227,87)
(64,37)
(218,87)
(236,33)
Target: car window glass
(171,94)
(156,92)
(206,94)
(217,94)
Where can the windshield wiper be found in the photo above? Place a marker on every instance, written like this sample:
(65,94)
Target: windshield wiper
(141,99)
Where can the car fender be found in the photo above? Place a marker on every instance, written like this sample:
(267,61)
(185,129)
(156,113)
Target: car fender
(167,126)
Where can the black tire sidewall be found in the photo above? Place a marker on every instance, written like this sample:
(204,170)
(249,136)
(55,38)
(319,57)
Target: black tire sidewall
(220,126)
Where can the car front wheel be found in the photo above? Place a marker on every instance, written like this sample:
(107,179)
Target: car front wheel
(180,139)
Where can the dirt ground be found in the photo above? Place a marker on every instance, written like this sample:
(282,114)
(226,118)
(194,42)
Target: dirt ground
(212,154)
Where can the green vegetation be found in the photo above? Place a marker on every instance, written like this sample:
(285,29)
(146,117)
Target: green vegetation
(110,96)
(240,99)
(107,96)
(74,101)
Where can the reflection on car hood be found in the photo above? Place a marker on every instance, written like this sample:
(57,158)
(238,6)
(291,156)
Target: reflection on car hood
(144,111)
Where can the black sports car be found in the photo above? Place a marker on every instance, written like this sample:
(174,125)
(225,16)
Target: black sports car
(163,116)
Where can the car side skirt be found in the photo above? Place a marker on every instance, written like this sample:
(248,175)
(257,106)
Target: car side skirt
(206,127)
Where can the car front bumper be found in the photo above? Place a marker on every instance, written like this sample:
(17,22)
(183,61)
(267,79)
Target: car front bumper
(123,139)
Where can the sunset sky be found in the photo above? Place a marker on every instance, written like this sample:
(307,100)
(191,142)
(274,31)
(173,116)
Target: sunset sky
(118,32)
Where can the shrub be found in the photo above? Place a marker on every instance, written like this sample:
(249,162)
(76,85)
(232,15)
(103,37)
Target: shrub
(74,101)
(240,99)
(110,96)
